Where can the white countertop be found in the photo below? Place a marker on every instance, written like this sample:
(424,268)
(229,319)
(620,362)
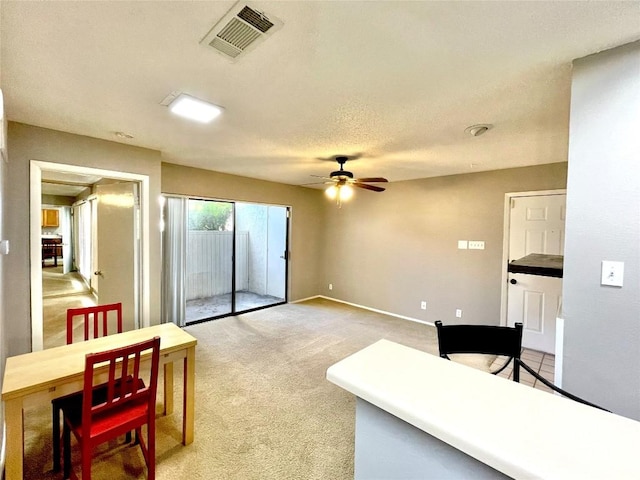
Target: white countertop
(519,431)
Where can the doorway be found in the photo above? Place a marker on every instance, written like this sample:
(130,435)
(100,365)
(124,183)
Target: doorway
(63,285)
(534,223)
(222,257)
(129,249)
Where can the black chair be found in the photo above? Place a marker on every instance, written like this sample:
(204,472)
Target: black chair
(493,340)
(485,339)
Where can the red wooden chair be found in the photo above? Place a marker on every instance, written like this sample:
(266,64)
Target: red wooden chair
(126,406)
(96,321)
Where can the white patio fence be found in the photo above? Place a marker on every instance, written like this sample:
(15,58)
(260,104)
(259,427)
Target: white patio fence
(209,263)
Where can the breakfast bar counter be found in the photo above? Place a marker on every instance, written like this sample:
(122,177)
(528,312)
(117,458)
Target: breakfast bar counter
(421,416)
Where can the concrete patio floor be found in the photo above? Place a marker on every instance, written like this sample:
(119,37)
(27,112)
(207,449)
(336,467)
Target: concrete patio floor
(203,308)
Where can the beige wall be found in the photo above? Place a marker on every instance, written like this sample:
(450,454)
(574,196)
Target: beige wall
(392,250)
(28,143)
(307,218)
(386,251)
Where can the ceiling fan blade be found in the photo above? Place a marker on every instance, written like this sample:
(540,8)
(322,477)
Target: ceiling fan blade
(368,187)
(372,180)
(321,176)
(330,182)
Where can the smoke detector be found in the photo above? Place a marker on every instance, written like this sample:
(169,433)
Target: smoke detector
(240,30)
(477,130)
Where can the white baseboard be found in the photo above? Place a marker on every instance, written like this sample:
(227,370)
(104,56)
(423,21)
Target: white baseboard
(305,299)
(391,314)
(559,353)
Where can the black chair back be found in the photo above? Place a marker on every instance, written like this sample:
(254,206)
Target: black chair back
(484,339)
(494,340)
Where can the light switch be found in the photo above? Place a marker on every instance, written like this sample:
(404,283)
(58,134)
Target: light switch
(612,273)
(462,244)
(476,245)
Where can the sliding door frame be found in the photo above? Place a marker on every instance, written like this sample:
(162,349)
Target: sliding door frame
(234,254)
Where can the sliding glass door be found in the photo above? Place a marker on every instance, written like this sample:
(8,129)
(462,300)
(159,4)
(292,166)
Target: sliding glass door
(261,263)
(209,254)
(221,258)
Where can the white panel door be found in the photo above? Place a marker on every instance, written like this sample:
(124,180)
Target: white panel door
(536,225)
(67,244)
(116,244)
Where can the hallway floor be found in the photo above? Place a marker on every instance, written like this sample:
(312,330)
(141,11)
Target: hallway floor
(60,292)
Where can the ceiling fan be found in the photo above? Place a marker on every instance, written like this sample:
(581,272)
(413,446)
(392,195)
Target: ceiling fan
(341,182)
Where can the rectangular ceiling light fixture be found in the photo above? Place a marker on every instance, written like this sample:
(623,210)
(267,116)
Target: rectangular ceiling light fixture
(194,109)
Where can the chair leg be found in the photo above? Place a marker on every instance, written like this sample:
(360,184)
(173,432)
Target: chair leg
(86,464)
(86,461)
(66,447)
(151,450)
(55,435)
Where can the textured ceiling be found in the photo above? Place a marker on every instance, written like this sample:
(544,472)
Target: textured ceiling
(396,82)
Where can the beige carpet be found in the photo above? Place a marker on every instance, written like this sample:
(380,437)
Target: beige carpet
(264,409)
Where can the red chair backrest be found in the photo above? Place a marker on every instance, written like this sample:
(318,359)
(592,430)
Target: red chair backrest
(93,318)
(122,386)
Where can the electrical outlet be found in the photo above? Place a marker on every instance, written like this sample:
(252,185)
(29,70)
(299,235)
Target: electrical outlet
(476,245)
(423,305)
(458,313)
(331,286)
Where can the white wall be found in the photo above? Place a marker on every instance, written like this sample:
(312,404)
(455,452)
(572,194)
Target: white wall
(602,323)
(252,218)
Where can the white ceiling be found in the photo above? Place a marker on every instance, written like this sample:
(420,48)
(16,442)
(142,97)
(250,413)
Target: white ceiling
(66,184)
(397,82)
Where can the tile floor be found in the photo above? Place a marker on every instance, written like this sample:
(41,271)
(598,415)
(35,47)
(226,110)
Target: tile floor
(542,363)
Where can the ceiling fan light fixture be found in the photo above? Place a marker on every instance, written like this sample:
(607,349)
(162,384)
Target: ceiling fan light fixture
(331,192)
(340,193)
(194,109)
(342,183)
(345,192)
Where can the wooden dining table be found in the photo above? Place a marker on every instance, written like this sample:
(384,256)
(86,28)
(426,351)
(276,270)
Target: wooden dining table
(35,378)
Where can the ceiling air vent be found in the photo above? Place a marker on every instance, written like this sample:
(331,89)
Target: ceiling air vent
(240,30)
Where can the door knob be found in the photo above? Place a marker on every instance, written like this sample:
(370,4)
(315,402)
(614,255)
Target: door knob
(98,272)
(513,281)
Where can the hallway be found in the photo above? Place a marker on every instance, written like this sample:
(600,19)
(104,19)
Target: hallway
(60,292)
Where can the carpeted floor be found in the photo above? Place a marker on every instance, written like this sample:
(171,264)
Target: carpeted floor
(264,409)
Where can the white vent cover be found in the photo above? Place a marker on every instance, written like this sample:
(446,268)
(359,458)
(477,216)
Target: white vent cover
(240,30)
